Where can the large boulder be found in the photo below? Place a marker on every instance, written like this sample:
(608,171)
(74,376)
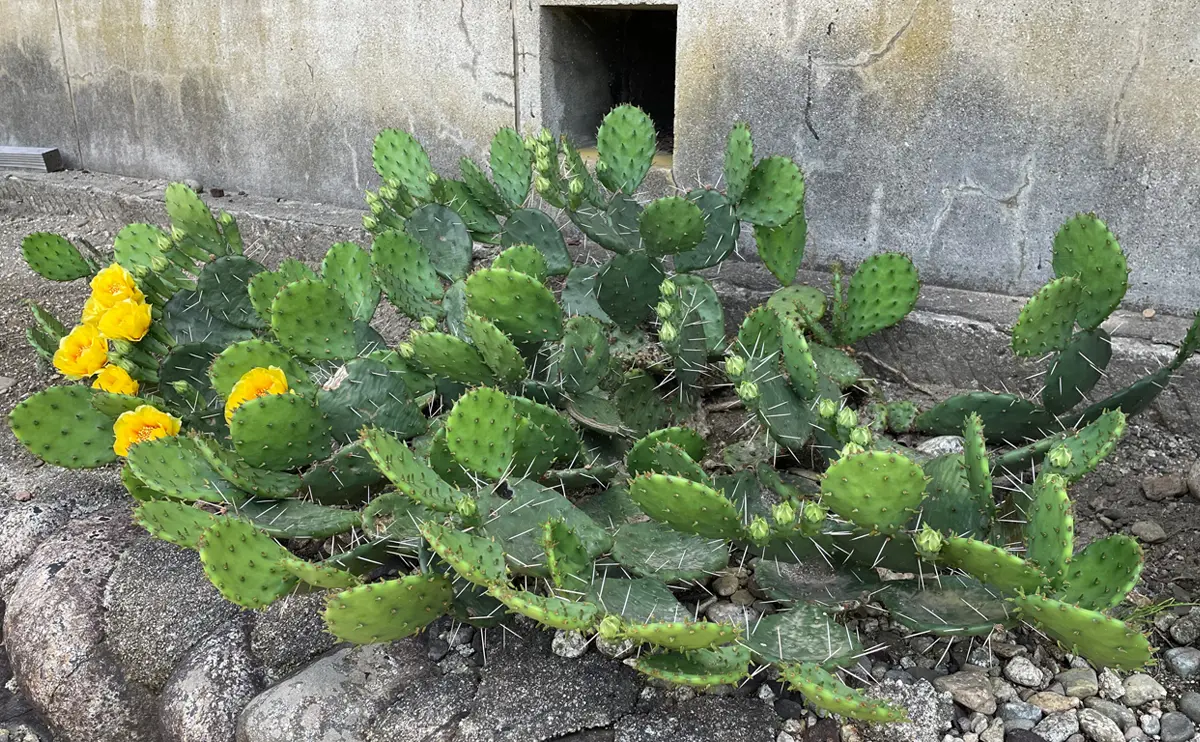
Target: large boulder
(204,697)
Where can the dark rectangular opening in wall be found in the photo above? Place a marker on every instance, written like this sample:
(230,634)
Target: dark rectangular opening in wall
(594,58)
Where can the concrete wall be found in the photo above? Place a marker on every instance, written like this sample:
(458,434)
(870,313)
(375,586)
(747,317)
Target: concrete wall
(959,131)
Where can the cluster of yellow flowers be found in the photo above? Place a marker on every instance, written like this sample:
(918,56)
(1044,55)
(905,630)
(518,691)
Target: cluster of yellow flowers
(116,310)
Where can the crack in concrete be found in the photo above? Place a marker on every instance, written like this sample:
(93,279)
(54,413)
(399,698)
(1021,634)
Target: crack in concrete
(1014,200)
(868,58)
(473,65)
(1116,123)
(808,101)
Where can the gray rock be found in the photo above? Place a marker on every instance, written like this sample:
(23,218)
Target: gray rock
(929,713)
(24,525)
(1023,672)
(1141,689)
(1148,532)
(942,444)
(557,696)
(723,612)
(158,605)
(1193,479)
(338,697)
(203,698)
(569,644)
(1053,703)
(1186,630)
(1133,733)
(1018,725)
(725,585)
(1058,727)
(969,689)
(1162,487)
(1118,712)
(1099,728)
(1111,685)
(426,711)
(1183,661)
(289,634)
(701,719)
(994,732)
(1003,689)
(1175,727)
(614,650)
(1189,704)
(1149,724)
(54,632)
(1019,710)
(1079,682)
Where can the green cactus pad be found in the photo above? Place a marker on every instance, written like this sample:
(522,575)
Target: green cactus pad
(298,519)
(396,517)
(403,269)
(223,286)
(1105,642)
(445,238)
(671,225)
(60,426)
(682,635)
(240,357)
(651,549)
(1190,344)
(555,613)
(323,335)
(560,439)
(387,611)
(363,559)
(596,413)
(199,406)
(702,668)
(409,474)
(113,405)
(1076,370)
(176,466)
(498,352)
(482,223)
(397,155)
(699,301)
(480,432)
(812,581)
(825,691)
(642,456)
(192,217)
(1050,527)
(512,167)
(901,416)
(188,320)
(566,556)
(721,231)
(627,288)
(52,256)
(625,142)
(803,634)
(667,458)
(992,565)
(175,522)
(637,601)
(516,303)
(951,503)
(525,259)
(774,193)
(481,188)
(532,227)
(477,560)
(1131,400)
(347,269)
(1006,417)
(264,286)
(45,333)
(137,246)
(280,432)
(759,337)
(585,355)
(686,506)
(242,562)
(797,360)
(739,161)
(1047,319)
(445,465)
(978,466)
(349,477)
(366,393)
(446,356)
(947,605)
(790,419)
(781,247)
(639,404)
(318,575)
(875,490)
(1099,577)
(258,482)
(1089,445)
(516,525)
(136,488)
(882,292)
(1086,249)
(579,296)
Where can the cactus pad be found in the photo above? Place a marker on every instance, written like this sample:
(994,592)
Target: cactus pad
(532,227)
(700,668)
(365,392)
(686,506)
(992,565)
(1086,249)
(409,474)
(516,303)
(797,360)
(396,517)
(781,247)
(882,292)
(1089,445)
(60,426)
(175,466)
(556,613)
(52,256)
(242,562)
(739,161)
(481,188)
(947,606)
(774,193)
(346,268)
(137,246)
(671,225)
(318,575)
(258,482)
(625,142)
(1006,417)
(298,519)
(323,335)
(398,156)
(975,458)
(651,549)
(387,611)
(1050,527)
(516,525)
(175,522)
(1076,370)
(498,352)
(224,287)
(346,478)
(404,272)
(450,357)
(825,691)
(721,231)
(525,259)
(233,363)
(875,490)
(445,238)
(480,432)
(1106,642)
(280,432)
(952,504)
(1048,317)
(627,288)
(641,457)
(477,560)
(585,355)
(512,168)
(192,218)
(579,296)
(699,301)
(1132,399)
(803,634)
(566,556)
(265,285)
(188,320)
(1100,576)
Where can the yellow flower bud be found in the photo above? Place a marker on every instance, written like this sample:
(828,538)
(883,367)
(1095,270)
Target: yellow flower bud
(114,284)
(142,424)
(667,289)
(664,309)
(82,352)
(748,391)
(667,332)
(126,320)
(116,380)
(255,383)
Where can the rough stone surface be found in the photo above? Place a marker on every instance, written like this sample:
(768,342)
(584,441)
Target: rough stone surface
(1141,688)
(1118,712)
(1052,702)
(1058,727)
(1175,727)
(1079,682)
(1161,487)
(1023,672)
(427,711)
(158,605)
(1149,532)
(54,631)
(569,644)
(969,689)
(203,698)
(930,713)
(1019,710)
(700,719)
(1183,661)
(1187,629)
(1099,727)
(1189,704)
(288,634)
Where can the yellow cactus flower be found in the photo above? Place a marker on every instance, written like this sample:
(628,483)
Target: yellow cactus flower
(126,320)
(255,383)
(82,352)
(116,380)
(115,284)
(93,310)
(144,423)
